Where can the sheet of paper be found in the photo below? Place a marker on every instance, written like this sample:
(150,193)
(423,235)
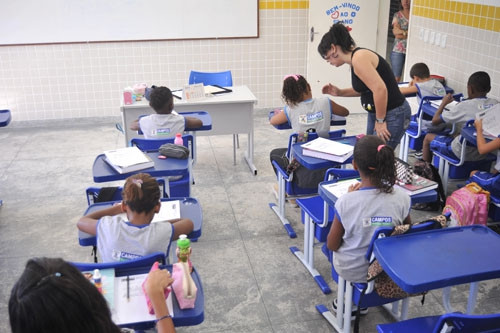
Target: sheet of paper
(491,121)
(128,156)
(134,309)
(437,103)
(169,210)
(340,188)
(328,146)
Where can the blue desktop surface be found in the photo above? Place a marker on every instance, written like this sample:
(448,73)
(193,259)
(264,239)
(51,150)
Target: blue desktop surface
(439,258)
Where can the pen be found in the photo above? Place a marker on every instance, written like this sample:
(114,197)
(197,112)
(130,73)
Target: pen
(128,288)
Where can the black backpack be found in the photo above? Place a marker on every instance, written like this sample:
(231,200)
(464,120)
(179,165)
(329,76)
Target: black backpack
(429,171)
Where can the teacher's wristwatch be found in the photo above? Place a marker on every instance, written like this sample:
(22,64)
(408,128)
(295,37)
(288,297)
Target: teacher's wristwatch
(380,120)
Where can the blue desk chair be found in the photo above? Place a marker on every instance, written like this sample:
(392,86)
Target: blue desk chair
(460,168)
(317,217)
(176,188)
(5,118)
(414,135)
(349,292)
(222,79)
(450,322)
(93,192)
(287,188)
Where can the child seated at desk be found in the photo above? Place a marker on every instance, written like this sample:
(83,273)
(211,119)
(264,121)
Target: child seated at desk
(51,295)
(484,148)
(119,239)
(422,83)
(166,122)
(478,87)
(304,114)
(368,205)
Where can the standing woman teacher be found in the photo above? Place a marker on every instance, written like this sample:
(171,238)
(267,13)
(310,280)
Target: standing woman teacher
(371,78)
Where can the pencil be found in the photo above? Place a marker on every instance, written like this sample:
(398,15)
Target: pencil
(128,288)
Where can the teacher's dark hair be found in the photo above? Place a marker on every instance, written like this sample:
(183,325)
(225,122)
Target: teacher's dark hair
(53,296)
(376,161)
(337,35)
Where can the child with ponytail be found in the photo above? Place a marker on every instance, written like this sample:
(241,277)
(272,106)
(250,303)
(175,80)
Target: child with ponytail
(304,114)
(372,203)
(123,239)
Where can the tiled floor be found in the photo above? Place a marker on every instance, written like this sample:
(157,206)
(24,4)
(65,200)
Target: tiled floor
(252,282)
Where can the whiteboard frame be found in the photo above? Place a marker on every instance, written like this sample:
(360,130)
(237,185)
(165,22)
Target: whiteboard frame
(78,21)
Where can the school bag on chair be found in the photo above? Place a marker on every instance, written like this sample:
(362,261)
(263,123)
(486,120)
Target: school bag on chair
(468,205)
(429,171)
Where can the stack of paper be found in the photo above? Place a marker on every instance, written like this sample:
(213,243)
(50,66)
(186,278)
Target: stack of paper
(328,150)
(419,185)
(491,121)
(129,159)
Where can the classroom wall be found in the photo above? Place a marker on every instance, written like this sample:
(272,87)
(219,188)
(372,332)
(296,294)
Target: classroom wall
(86,80)
(472,40)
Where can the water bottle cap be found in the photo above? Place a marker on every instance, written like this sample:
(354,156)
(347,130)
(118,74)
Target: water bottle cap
(178,135)
(183,241)
(97,274)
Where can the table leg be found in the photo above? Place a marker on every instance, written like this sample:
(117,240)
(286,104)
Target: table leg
(249,153)
(280,209)
(471,304)
(446,300)
(337,321)
(307,258)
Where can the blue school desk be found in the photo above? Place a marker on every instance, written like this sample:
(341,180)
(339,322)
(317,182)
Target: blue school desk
(182,317)
(307,257)
(189,208)
(103,172)
(333,122)
(312,163)
(441,258)
(469,134)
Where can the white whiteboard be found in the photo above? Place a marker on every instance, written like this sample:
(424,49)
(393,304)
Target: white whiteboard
(66,21)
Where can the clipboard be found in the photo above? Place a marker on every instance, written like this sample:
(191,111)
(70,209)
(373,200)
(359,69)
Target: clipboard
(216,89)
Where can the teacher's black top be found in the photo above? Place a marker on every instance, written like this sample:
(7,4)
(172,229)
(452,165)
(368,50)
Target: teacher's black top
(394,97)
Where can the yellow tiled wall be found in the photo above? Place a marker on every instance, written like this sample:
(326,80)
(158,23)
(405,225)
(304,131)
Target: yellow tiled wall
(461,13)
(287,4)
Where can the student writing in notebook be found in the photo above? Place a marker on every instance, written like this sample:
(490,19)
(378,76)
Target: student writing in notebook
(304,114)
(122,239)
(51,295)
(165,123)
(478,86)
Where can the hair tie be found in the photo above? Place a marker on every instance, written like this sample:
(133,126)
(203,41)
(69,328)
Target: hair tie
(46,277)
(137,182)
(380,147)
(295,76)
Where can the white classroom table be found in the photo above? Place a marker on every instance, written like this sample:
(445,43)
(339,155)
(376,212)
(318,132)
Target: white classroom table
(231,113)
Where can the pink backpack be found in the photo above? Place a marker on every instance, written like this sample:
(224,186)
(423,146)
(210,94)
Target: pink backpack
(468,205)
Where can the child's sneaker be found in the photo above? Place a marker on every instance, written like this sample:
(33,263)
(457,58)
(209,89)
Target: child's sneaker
(354,308)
